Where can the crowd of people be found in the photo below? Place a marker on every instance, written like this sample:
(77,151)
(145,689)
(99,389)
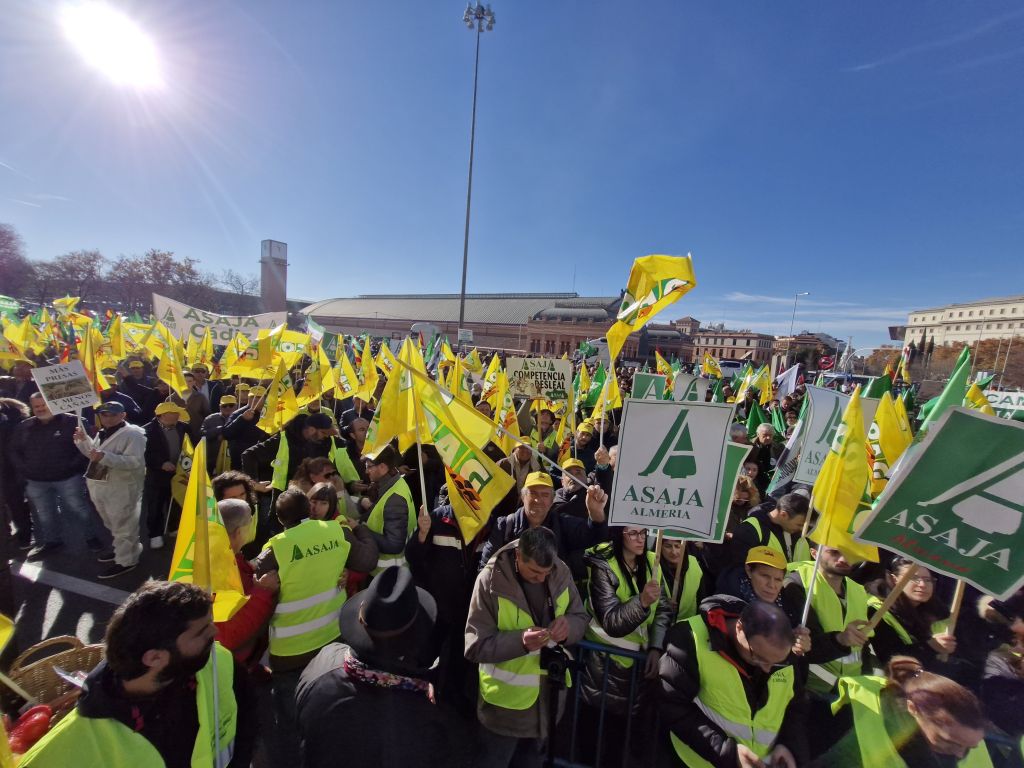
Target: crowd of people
(386,638)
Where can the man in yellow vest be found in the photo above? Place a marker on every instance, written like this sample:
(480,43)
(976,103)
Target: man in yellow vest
(392,517)
(310,557)
(524,609)
(165,693)
(730,694)
(778,527)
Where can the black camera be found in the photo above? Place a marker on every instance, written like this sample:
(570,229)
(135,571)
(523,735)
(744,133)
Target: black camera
(555,661)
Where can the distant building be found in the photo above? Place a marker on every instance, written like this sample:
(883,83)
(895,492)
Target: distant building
(1000,318)
(804,346)
(723,344)
(552,323)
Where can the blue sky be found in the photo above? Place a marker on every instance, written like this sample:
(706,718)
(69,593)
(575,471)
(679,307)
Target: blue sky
(869,153)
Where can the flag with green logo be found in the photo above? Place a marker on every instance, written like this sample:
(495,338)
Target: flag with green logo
(648,386)
(957,505)
(676,468)
(824,415)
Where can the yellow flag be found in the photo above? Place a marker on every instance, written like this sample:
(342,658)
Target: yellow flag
(975,400)
(888,437)
(346,383)
(841,487)
(291,345)
(91,362)
(710,366)
(23,335)
(610,397)
(505,415)
(762,382)
(654,283)
(583,390)
(396,415)
(473,363)
(202,551)
(232,352)
(475,483)
(223,461)
(280,406)
(115,334)
(661,366)
(457,382)
(490,383)
(253,359)
(319,378)
(171,367)
(66,305)
(179,483)
(369,374)
(385,358)
(901,415)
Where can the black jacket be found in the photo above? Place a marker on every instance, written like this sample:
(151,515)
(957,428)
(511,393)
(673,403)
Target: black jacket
(680,684)
(256,461)
(47,452)
(447,572)
(170,719)
(572,534)
(242,434)
(156,448)
(359,725)
(618,619)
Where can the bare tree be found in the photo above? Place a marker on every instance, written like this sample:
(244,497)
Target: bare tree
(81,272)
(244,287)
(15,270)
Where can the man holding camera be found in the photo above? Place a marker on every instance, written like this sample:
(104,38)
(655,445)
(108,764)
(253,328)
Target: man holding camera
(524,610)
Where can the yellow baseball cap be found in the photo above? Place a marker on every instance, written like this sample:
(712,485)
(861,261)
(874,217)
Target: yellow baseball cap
(228,400)
(573,464)
(136,364)
(587,428)
(538,479)
(258,390)
(169,407)
(766,556)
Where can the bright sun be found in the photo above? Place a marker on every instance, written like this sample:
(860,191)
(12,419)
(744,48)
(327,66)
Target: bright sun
(112,43)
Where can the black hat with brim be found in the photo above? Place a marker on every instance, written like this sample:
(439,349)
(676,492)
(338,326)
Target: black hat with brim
(391,622)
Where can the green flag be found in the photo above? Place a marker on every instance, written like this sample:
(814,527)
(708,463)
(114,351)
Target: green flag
(755,419)
(779,422)
(718,396)
(878,386)
(953,394)
(596,387)
(909,401)
(984,383)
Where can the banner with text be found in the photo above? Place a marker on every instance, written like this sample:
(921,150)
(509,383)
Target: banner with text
(676,467)
(539,377)
(183,320)
(66,388)
(1009,405)
(957,505)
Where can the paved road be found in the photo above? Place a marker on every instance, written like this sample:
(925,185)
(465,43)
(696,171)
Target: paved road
(61,595)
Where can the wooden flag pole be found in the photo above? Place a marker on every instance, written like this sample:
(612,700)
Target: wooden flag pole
(657,555)
(891,599)
(810,590)
(954,612)
(679,575)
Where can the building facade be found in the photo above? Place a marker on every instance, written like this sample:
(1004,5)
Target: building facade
(999,318)
(723,344)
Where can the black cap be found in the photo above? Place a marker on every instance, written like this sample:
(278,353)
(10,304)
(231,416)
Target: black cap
(319,421)
(112,406)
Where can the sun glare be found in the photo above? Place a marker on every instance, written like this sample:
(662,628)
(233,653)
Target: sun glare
(112,43)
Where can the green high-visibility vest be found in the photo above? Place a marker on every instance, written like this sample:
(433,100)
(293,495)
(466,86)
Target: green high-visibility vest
(688,593)
(864,695)
(937,627)
(310,559)
(723,701)
(549,442)
(515,684)
(834,618)
(279,480)
(375,522)
(771,540)
(635,640)
(93,741)
(343,463)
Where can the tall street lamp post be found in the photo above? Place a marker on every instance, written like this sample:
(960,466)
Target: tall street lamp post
(792,323)
(479,18)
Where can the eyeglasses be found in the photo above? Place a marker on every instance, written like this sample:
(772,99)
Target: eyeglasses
(641,534)
(922,580)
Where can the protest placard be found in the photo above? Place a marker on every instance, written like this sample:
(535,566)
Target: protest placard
(648,386)
(182,319)
(675,467)
(957,504)
(66,388)
(533,377)
(690,388)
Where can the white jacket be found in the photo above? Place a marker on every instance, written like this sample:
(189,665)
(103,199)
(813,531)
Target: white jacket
(123,454)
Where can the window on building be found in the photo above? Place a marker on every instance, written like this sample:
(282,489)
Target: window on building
(1002,310)
(970,313)
(988,326)
(748,342)
(999,326)
(959,314)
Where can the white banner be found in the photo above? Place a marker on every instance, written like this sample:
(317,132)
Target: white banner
(690,388)
(672,467)
(65,388)
(539,377)
(823,417)
(1006,404)
(181,319)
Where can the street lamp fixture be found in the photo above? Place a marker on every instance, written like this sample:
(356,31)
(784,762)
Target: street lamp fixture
(477,18)
(792,323)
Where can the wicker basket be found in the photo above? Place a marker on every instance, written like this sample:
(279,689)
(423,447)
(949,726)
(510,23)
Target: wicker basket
(33,670)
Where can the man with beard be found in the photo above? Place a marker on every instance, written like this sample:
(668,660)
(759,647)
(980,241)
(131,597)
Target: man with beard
(304,438)
(151,701)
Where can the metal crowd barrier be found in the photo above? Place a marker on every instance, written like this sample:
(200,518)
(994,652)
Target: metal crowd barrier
(567,747)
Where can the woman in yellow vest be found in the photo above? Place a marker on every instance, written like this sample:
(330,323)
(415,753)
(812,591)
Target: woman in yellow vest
(629,611)
(907,719)
(916,624)
(693,582)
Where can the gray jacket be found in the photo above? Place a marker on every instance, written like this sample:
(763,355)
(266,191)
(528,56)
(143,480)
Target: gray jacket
(485,643)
